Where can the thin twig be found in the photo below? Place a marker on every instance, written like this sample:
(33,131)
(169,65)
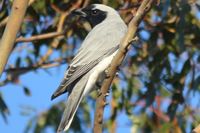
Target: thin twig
(39,37)
(117,60)
(86,2)
(56,40)
(50,64)
(55,8)
(197,129)
(14,73)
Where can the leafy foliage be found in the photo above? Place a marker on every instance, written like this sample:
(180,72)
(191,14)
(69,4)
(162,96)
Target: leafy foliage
(156,83)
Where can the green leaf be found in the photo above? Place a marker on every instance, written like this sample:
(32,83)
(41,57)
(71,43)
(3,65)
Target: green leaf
(18,62)
(29,61)
(27,91)
(3,108)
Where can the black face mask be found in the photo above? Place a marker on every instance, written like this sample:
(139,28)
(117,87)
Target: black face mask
(92,15)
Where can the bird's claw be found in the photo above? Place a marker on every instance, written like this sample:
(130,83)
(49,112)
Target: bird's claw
(107,75)
(117,73)
(107,94)
(98,84)
(99,92)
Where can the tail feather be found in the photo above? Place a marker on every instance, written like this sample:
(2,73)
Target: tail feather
(63,89)
(72,104)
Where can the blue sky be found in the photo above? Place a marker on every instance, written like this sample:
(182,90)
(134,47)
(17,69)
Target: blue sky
(42,85)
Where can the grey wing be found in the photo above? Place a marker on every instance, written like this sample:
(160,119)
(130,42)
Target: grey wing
(97,45)
(73,74)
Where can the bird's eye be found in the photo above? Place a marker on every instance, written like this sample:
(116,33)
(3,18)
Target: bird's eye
(94,12)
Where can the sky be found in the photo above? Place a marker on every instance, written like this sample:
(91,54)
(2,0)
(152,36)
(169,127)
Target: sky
(42,85)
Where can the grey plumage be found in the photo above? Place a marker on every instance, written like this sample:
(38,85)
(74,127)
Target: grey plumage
(93,57)
(72,104)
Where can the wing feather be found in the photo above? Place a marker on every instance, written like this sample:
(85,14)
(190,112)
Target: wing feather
(74,73)
(90,54)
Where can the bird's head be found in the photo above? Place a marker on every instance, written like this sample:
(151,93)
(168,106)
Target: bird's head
(96,13)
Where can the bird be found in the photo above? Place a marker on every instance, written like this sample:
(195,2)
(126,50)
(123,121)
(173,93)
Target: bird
(87,68)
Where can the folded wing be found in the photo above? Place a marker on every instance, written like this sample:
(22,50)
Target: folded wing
(97,45)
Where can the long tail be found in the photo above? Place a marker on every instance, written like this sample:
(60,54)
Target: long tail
(72,104)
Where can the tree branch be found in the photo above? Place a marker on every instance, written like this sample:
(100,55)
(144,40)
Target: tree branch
(14,22)
(117,60)
(39,37)
(50,64)
(197,129)
(14,73)
(60,26)
(5,20)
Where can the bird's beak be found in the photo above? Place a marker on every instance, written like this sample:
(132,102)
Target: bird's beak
(79,12)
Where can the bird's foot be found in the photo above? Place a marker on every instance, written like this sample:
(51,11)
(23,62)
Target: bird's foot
(117,74)
(99,93)
(107,94)
(98,85)
(107,75)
